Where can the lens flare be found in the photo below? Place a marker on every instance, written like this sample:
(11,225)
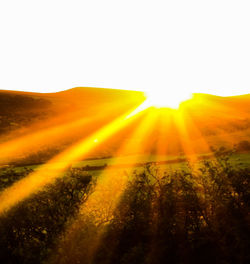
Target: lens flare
(162,98)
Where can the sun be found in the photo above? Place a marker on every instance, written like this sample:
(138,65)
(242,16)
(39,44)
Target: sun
(171,99)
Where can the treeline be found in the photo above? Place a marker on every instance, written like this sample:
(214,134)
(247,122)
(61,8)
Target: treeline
(29,231)
(195,216)
(201,216)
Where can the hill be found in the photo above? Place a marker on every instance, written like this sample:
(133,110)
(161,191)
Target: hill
(209,121)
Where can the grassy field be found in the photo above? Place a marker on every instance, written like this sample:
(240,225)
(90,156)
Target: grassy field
(123,163)
(167,162)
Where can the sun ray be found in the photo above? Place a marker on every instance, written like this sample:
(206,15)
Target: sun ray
(54,168)
(198,141)
(51,135)
(105,179)
(184,137)
(25,144)
(102,203)
(164,133)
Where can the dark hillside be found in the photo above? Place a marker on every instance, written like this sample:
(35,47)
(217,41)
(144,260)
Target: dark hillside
(17,111)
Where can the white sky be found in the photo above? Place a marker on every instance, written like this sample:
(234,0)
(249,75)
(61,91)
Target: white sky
(180,46)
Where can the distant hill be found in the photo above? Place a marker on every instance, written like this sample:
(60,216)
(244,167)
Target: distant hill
(219,121)
(21,109)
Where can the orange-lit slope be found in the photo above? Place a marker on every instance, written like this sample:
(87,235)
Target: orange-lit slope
(43,125)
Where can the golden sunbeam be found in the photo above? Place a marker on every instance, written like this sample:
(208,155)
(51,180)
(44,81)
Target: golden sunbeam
(25,144)
(106,180)
(200,145)
(35,139)
(184,136)
(193,146)
(53,169)
(101,204)
(164,133)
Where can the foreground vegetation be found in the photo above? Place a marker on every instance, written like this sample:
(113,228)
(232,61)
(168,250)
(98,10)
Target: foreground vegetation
(200,215)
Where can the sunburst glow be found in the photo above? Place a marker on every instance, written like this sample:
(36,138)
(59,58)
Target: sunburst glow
(161,98)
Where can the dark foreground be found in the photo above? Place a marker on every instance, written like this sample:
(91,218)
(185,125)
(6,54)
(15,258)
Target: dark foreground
(199,216)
